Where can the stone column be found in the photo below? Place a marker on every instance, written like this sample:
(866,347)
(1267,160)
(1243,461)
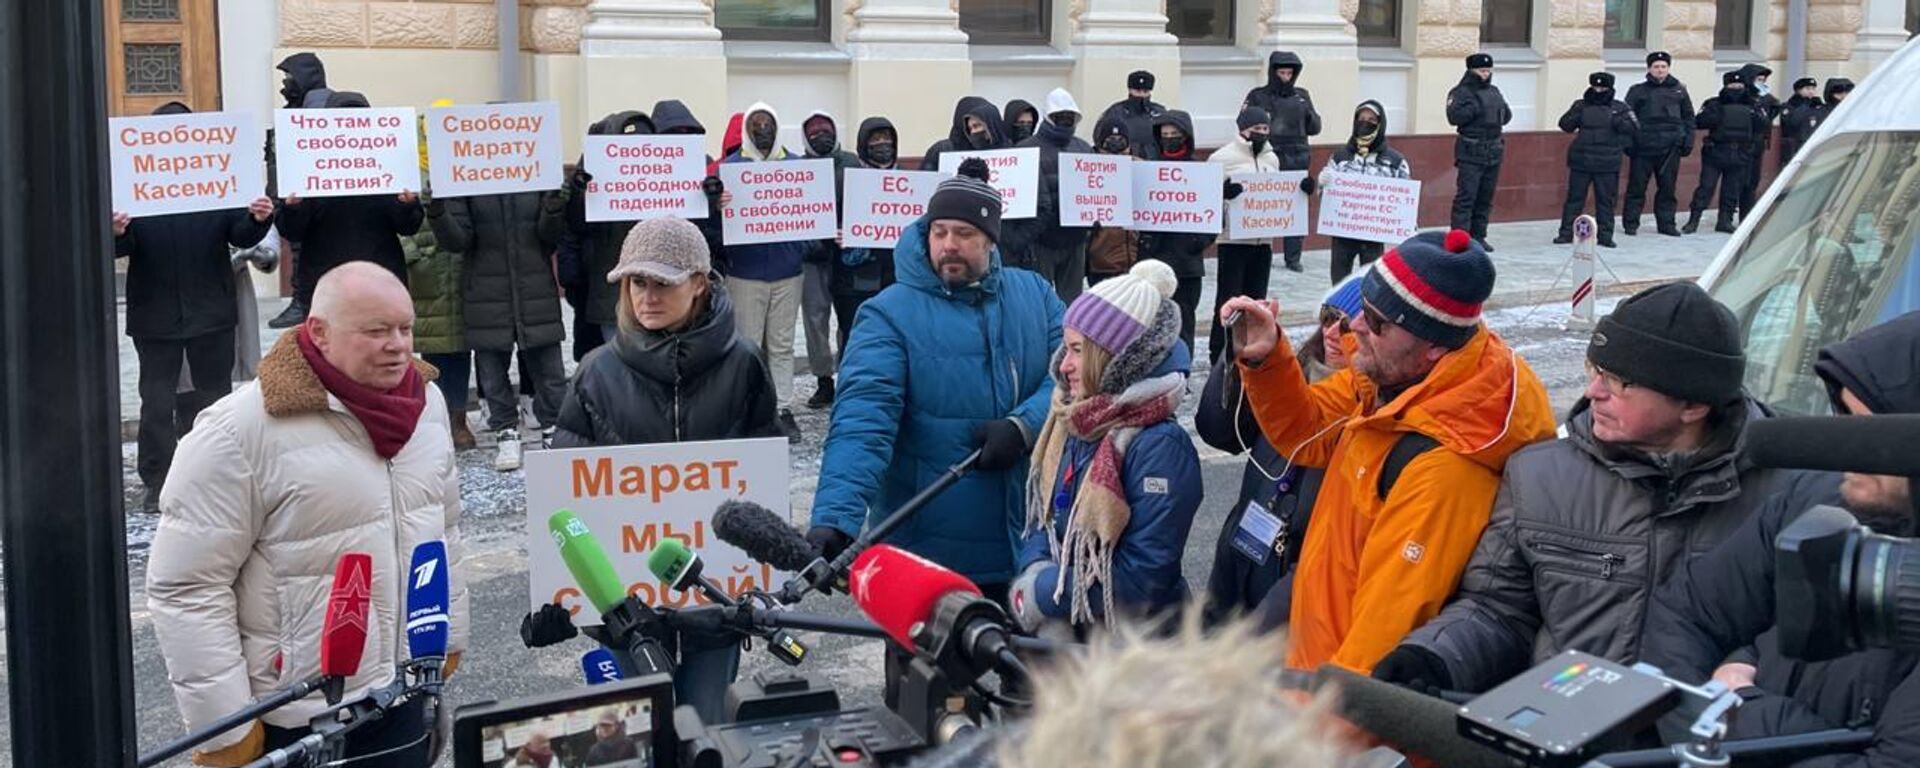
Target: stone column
(1833,26)
(1576,37)
(1447,32)
(1687,33)
(1883,33)
(1112,38)
(636,52)
(550,34)
(909,62)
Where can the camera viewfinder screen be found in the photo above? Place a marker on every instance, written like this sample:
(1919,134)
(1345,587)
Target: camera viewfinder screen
(613,735)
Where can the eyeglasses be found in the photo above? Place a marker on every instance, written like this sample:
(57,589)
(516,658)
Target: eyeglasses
(1376,321)
(1330,316)
(1613,381)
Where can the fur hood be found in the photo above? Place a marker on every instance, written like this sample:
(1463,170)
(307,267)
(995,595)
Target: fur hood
(289,386)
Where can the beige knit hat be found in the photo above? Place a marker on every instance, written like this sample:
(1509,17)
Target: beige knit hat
(666,249)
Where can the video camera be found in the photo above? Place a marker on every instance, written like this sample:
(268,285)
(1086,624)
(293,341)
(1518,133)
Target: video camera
(1842,588)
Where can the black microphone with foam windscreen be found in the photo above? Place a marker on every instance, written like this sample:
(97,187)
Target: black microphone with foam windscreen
(1411,722)
(763,535)
(1872,445)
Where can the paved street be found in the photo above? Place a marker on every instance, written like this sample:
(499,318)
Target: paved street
(498,666)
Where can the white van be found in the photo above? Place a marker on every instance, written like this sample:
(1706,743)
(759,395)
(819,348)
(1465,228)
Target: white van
(1831,247)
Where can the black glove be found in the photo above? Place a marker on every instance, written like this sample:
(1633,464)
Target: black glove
(828,540)
(712,186)
(1309,186)
(1230,189)
(1414,668)
(551,625)
(580,176)
(1001,444)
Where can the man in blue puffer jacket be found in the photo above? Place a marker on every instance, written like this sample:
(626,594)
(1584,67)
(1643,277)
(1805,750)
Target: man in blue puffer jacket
(952,357)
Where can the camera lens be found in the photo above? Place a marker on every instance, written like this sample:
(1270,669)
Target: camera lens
(1886,592)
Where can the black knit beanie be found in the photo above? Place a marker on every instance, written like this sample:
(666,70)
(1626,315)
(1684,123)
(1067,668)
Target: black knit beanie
(967,197)
(1676,340)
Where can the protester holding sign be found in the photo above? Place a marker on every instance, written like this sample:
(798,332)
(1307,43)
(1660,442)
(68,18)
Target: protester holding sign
(1366,153)
(766,278)
(180,306)
(1058,252)
(1112,250)
(676,371)
(860,273)
(1244,265)
(1292,120)
(816,295)
(1181,250)
(335,230)
(509,300)
(565,212)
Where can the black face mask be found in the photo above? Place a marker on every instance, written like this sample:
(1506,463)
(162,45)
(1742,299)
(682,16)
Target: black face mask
(289,91)
(1114,145)
(1021,132)
(1259,142)
(1173,146)
(980,139)
(762,137)
(881,153)
(822,142)
(1364,127)
(1065,120)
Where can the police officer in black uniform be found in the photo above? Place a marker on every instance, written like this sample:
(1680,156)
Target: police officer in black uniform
(1757,77)
(1802,115)
(1733,123)
(1603,128)
(1476,108)
(1665,111)
(1291,120)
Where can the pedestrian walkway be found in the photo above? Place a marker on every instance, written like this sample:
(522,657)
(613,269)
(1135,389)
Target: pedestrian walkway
(1531,270)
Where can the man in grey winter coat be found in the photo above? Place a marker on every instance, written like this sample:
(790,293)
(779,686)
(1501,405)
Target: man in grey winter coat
(1653,470)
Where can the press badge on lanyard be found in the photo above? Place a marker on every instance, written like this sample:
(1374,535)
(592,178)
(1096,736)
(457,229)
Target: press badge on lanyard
(1261,533)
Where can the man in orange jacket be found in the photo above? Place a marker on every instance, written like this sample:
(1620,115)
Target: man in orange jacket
(1413,437)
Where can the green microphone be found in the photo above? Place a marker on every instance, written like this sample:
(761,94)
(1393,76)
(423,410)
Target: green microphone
(679,567)
(586,560)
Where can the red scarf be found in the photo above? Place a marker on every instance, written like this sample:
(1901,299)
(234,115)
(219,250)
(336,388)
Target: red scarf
(389,416)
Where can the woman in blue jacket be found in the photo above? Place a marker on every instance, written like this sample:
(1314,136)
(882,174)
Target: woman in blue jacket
(1114,480)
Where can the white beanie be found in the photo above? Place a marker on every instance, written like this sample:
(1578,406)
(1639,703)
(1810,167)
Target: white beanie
(1058,100)
(1120,309)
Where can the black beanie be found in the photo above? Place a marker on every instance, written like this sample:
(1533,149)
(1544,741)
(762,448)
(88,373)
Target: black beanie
(967,197)
(1676,340)
(1479,60)
(1252,116)
(1141,80)
(1732,77)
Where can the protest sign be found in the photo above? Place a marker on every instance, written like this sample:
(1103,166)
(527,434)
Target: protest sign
(493,149)
(1176,197)
(187,162)
(1015,172)
(1096,189)
(645,177)
(1270,205)
(631,497)
(340,152)
(880,205)
(779,202)
(1372,208)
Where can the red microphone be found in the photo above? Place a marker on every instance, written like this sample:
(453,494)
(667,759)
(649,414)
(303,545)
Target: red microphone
(899,590)
(933,612)
(343,638)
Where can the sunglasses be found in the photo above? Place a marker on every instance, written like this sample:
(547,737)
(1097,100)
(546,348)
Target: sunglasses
(1330,316)
(1376,322)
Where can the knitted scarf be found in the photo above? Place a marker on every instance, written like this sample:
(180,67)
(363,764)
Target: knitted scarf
(1098,513)
(390,416)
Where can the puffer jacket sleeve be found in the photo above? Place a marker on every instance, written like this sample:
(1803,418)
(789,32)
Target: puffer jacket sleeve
(1162,474)
(866,420)
(575,428)
(1223,419)
(1486,633)
(1896,737)
(1298,419)
(210,519)
(1441,503)
(1032,412)
(1719,601)
(452,223)
(459,619)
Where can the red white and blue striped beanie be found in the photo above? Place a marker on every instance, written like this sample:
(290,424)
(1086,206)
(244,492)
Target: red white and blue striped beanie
(1433,285)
